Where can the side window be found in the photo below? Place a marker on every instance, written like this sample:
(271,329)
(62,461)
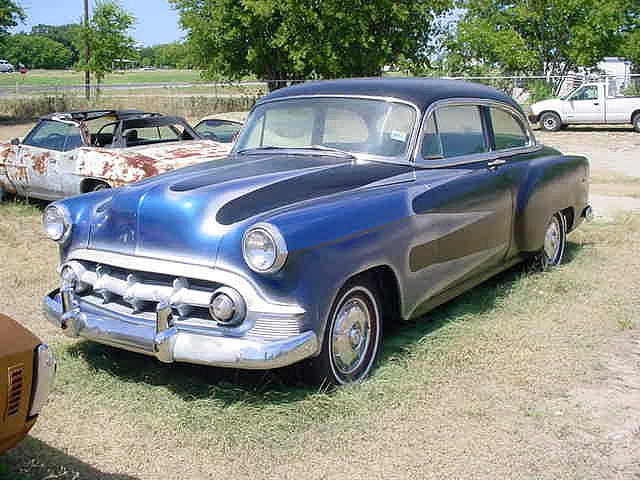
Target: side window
(586,93)
(74,139)
(508,132)
(431,147)
(49,134)
(460,130)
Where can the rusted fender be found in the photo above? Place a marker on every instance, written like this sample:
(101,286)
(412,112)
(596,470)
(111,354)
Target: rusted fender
(8,157)
(127,165)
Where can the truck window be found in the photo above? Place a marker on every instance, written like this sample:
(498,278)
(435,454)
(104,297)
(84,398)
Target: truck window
(586,93)
(507,131)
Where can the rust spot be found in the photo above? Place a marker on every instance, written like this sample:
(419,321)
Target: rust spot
(183,153)
(106,168)
(143,163)
(40,162)
(21,174)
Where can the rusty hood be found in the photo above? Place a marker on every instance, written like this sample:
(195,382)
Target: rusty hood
(183,215)
(126,165)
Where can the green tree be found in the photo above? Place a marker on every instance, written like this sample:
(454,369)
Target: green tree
(293,39)
(63,34)
(11,14)
(544,37)
(35,51)
(108,38)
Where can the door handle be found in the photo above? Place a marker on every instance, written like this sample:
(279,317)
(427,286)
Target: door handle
(496,163)
(596,103)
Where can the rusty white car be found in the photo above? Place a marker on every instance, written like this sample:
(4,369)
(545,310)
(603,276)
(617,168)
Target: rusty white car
(71,153)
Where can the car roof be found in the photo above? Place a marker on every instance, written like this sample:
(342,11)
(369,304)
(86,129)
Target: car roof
(85,115)
(422,92)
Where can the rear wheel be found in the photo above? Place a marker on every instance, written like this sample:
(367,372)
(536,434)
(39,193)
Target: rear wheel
(555,241)
(550,122)
(352,337)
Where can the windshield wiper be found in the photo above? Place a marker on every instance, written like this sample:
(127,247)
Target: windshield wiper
(259,149)
(341,153)
(322,148)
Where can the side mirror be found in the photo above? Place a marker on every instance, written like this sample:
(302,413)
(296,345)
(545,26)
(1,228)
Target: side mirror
(15,141)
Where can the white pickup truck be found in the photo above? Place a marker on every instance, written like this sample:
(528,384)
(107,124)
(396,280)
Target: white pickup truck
(592,103)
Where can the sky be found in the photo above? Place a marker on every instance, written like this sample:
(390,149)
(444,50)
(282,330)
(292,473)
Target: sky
(156,21)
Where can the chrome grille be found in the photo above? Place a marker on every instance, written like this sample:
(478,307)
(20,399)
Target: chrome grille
(14,392)
(137,294)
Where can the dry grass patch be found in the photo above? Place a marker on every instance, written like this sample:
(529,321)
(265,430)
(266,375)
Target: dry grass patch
(485,387)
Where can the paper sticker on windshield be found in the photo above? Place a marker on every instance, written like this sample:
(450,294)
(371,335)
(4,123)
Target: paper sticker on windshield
(399,136)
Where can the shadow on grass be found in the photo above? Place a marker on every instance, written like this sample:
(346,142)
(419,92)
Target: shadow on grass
(26,205)
(288,384)
(34,459)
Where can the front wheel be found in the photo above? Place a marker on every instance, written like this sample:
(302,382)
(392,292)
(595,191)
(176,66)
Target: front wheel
(636,123)
(550,122)
(352,337)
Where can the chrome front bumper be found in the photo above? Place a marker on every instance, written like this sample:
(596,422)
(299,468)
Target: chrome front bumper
(167,342)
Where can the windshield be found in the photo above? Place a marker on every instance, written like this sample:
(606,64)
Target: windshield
(352,125)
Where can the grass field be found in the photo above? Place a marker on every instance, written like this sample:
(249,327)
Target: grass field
(532,339)
(67,77)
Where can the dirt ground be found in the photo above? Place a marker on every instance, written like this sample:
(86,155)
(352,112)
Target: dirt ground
(558,398)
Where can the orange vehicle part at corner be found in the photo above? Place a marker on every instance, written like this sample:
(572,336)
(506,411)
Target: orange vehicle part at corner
(17,347)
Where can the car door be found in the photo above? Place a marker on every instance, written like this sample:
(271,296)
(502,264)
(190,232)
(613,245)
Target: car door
(40,155)
(585,106)
(463,207)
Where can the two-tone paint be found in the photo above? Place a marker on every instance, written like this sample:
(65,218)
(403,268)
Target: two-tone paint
(426,231)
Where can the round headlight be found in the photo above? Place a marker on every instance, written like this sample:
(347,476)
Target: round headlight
(56,223)
(227,306)
(264,248)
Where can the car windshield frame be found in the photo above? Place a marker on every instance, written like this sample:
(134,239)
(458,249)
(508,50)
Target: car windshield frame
(406,158)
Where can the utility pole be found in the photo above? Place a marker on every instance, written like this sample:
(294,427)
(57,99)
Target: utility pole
(87,74)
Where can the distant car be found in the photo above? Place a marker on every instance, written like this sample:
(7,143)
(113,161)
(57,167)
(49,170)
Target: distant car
(592,103)
(217,129)
(6,67)
(78,152)
(343,204)
(27,371)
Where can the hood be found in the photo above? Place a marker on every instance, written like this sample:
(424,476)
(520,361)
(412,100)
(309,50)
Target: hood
(551,104)
(182,215)
(126,165)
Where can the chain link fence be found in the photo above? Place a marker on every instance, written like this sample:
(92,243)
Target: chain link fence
(194,100)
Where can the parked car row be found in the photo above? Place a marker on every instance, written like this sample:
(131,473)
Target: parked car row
(341,205)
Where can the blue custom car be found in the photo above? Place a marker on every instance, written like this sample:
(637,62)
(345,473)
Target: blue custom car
(342,203)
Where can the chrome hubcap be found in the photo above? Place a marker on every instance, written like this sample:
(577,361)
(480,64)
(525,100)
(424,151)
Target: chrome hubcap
(351,336)
(552,239)
(550,123)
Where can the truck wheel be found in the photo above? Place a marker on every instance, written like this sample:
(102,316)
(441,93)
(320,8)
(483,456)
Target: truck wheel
(550,122)
(636,123)
(352,337)
(555,241)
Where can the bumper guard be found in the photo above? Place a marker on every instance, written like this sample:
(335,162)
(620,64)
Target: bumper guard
(167,342)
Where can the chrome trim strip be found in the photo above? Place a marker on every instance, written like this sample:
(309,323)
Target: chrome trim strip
(532,145)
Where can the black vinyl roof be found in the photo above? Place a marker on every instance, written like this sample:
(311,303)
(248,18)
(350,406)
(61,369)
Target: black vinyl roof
(419,91)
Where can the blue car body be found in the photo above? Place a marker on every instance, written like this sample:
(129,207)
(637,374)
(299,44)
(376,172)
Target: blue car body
(421,229)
